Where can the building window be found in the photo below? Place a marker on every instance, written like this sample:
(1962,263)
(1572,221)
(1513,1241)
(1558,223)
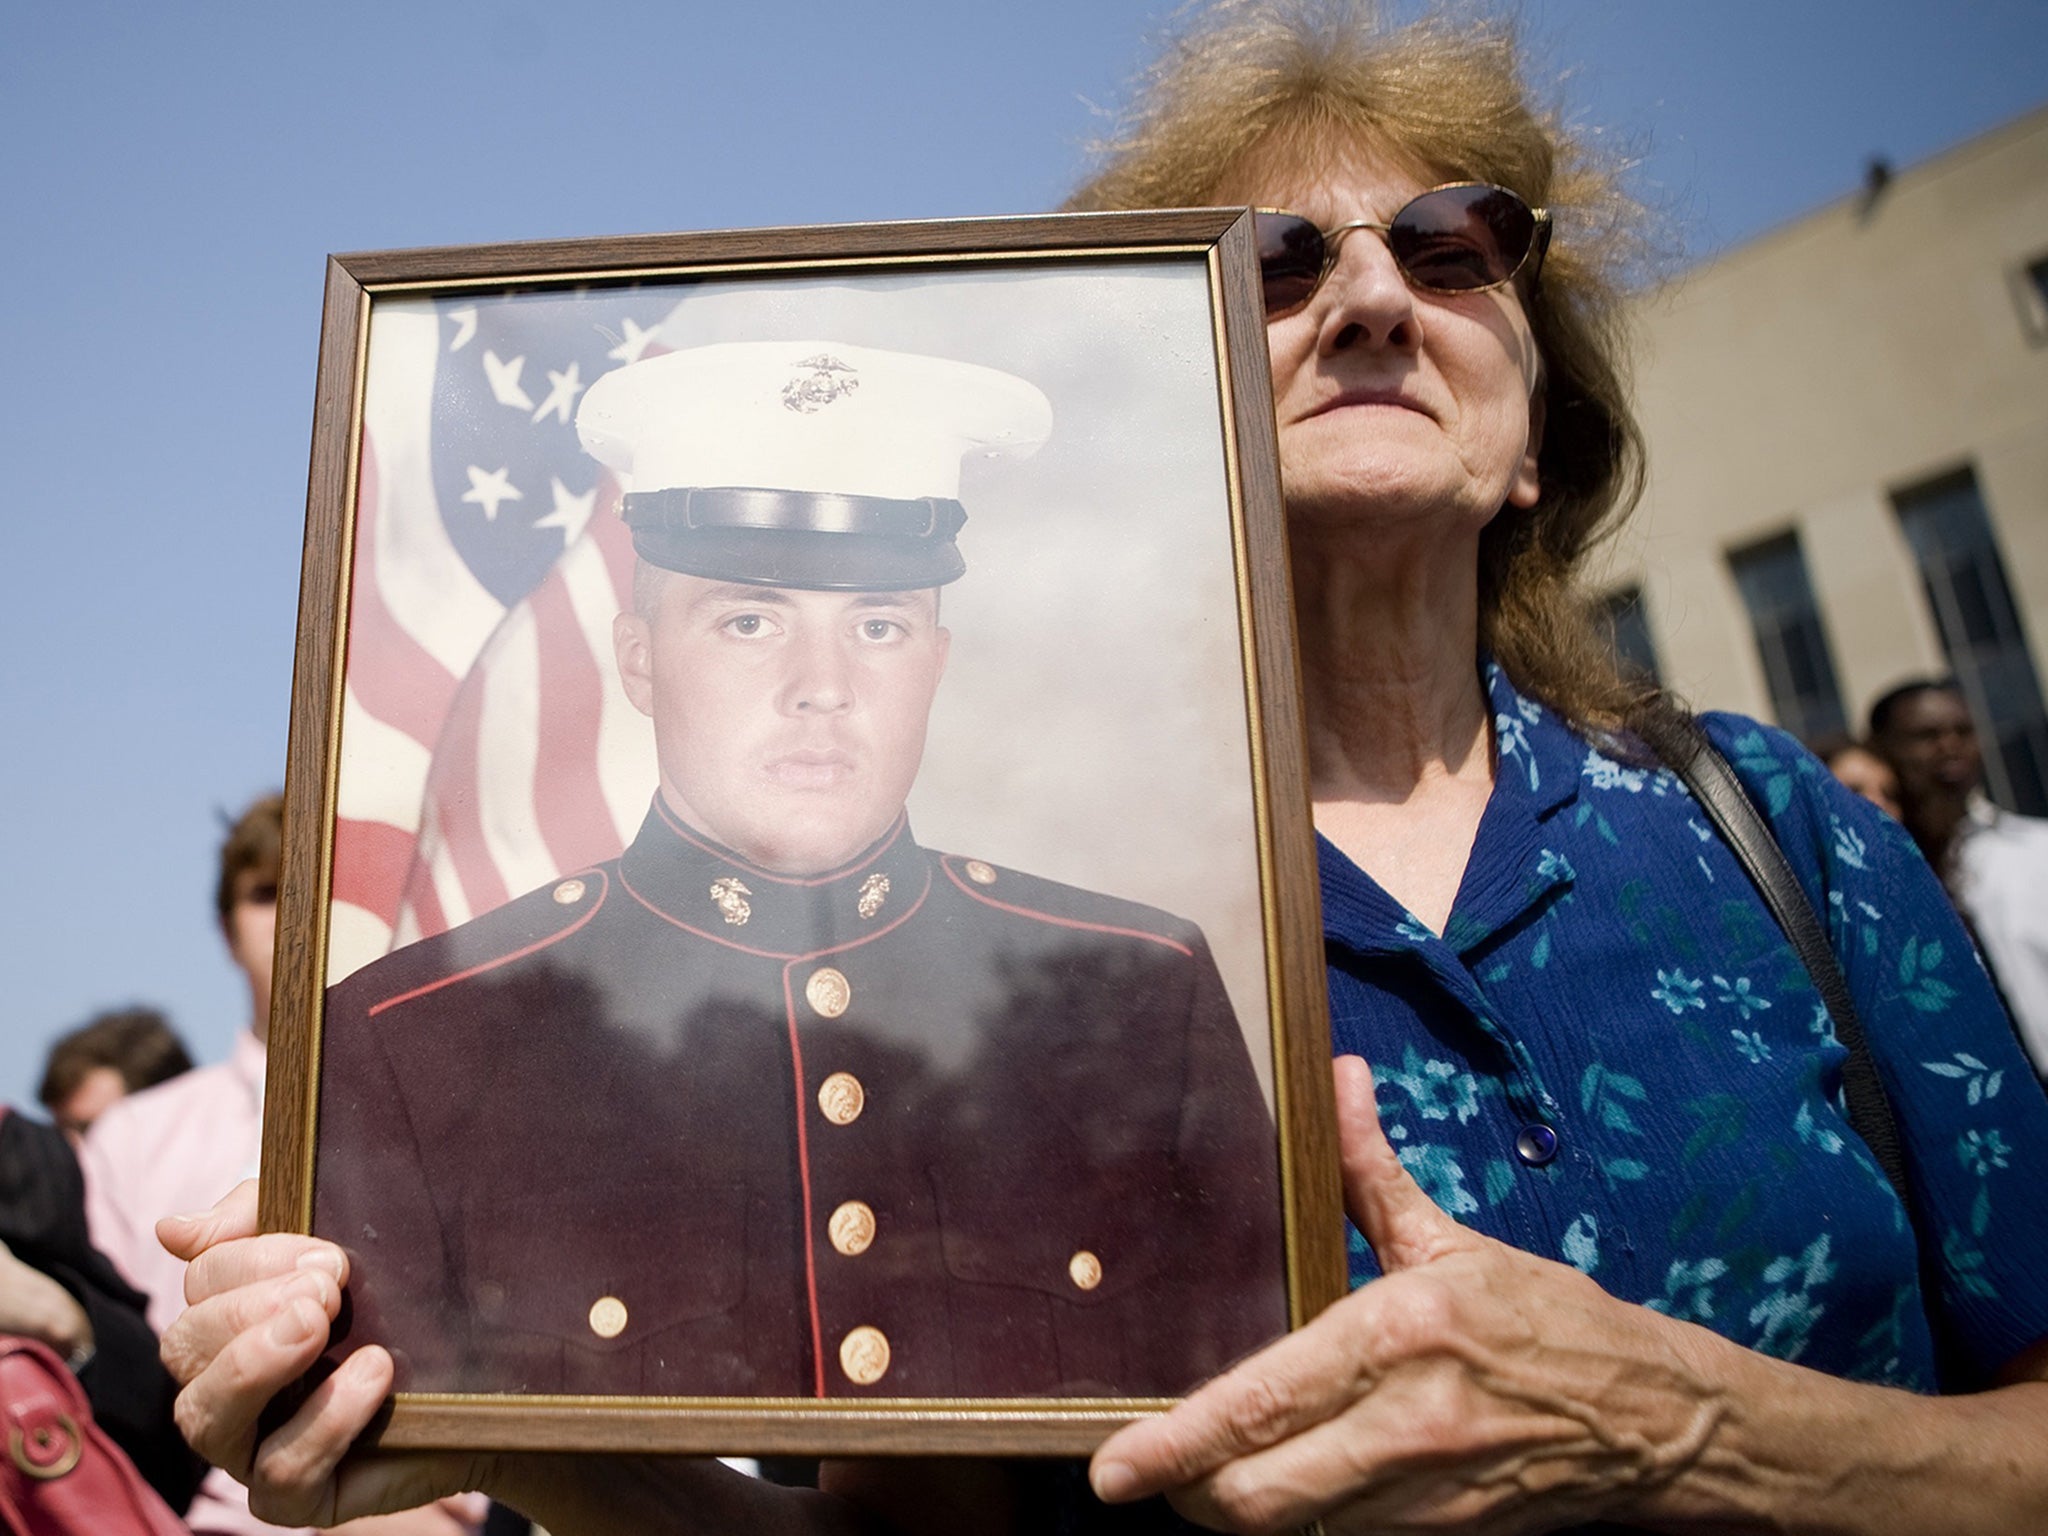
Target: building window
(2030,292)
(1622,620)
(1946,523)
(1790,641)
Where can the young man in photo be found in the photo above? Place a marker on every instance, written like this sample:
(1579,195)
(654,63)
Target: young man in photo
(780,1102)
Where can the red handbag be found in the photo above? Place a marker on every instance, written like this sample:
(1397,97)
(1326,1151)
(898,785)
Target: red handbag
(61,1475)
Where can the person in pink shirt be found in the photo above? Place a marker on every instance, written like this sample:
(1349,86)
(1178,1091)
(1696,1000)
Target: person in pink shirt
(178,1146)
(111,1055)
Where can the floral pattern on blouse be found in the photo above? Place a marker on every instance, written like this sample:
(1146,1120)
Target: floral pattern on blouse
(1608,972)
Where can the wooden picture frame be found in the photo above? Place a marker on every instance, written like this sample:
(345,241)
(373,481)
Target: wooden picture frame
(1116,752)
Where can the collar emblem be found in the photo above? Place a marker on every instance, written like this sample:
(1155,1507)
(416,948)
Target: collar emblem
(731,895)
(873,891)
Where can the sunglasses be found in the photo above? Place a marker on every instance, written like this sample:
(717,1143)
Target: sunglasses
(1463,238)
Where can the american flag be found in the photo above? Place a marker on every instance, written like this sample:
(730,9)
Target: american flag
(486,746)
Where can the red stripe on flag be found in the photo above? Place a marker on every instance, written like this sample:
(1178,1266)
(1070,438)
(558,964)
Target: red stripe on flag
(570,816)
(393,676)
(370,861)
(453,795)
(425,903)
(570,811)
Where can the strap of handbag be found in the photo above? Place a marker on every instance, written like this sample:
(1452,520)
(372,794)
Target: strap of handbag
(1713,783)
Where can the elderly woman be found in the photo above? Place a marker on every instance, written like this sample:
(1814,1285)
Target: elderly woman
(1618,1254)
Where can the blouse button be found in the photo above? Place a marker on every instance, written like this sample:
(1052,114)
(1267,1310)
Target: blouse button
(1536,1145)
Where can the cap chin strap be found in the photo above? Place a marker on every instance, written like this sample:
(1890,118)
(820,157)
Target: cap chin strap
(738,506)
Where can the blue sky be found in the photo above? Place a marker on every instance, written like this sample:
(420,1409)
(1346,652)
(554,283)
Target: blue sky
(176,174)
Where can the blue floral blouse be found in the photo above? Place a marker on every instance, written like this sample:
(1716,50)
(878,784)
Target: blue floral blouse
(1613,1057)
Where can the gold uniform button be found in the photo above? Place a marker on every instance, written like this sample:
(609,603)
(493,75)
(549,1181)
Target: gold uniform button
(569,892)
(842,1098)
(827,991)
(608,1317)
(864,1356)
(852,1227)
(980,873)
(1085,1270)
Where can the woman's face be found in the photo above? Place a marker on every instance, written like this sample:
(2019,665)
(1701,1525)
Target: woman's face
(1393,404)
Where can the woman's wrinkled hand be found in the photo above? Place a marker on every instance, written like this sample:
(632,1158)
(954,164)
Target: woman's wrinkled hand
(258,1313)
(1474,1388)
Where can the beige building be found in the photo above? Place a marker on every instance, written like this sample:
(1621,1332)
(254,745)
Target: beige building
(1848,427)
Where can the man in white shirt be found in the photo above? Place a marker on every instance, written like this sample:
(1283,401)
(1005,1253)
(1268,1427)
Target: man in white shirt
(1994,862)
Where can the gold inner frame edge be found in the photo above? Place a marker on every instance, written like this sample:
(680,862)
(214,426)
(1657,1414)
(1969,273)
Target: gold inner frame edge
(1078,1412)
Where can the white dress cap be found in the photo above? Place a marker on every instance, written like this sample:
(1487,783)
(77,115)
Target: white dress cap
(816,416)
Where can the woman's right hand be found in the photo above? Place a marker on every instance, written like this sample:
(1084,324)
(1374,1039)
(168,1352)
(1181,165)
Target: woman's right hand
(258,1312)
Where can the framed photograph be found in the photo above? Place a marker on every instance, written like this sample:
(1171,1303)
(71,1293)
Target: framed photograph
(799,930)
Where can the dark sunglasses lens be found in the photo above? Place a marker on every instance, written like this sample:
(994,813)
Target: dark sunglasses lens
(1456,239)
(1290,259)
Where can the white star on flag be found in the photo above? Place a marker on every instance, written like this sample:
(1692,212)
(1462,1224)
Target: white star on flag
(476,561)
(571,512)
(490,489)
(504,379)
(629,350)
(562,395)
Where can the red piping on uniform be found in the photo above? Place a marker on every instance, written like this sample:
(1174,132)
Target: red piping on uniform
(492,965)
(776,954)
(803,1163)
(1066,922)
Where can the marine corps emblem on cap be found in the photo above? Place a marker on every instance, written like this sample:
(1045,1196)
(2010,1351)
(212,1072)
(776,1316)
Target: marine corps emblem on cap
(828,379)
(807,464)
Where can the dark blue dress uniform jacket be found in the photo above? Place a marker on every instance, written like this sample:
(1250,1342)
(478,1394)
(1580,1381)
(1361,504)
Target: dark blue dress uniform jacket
(919,1127)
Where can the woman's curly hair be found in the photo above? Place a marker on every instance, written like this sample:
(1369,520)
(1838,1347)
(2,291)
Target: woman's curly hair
(1312,78)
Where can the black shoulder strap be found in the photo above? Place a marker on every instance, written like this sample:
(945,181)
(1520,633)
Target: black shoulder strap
(1721,795)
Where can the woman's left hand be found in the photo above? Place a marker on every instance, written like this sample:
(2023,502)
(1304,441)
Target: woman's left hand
(1474,1387)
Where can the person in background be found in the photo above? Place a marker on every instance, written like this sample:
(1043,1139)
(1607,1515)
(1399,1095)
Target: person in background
(173,1148)
(1864,771)
(111,1055)
(1994,862)
(1923,730)
(57,1289)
